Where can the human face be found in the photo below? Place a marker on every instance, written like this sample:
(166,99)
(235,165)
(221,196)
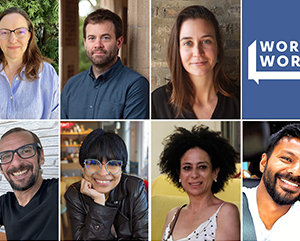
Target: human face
(196,172)
(102,182)
(281,173)
(198,47)
(22,174)
(101,45)
(14,48)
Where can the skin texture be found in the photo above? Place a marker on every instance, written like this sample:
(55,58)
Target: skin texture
(91,184)
(199,52)
(283,165)
(101,46)
(197,176)
(14,48)
(27,184)
(198,47)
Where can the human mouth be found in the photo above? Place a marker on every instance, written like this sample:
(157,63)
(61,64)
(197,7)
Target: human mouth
(199,63)
(195,184)
(289,182)
(102,182)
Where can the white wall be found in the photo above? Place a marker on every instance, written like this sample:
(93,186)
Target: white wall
(48,132)
(161,129)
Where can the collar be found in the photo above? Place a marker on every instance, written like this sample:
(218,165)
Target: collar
(22,73)
(109,74)
(119,192)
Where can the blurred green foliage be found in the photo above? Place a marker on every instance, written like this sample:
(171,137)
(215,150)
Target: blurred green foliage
(84,62)
(44,16)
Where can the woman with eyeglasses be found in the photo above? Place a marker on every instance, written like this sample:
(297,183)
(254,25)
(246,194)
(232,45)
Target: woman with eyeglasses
(29,84)
(107,204)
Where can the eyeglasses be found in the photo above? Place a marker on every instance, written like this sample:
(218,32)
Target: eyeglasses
(19,32)
(26,151)
(94,166)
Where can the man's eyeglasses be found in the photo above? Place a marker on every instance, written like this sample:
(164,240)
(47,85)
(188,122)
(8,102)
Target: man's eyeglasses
(24,152)
(19,32)
(94,166)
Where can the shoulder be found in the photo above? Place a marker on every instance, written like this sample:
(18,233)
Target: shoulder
(160,93)
(133,183)
(171,214)
(50,185)
(73,190)
(229,209)
(133,75)
(73,82)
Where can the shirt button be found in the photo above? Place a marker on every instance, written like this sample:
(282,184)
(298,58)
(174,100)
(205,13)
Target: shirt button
(17,78)
(96,87)
(91,106)
(11,97)
(97,227)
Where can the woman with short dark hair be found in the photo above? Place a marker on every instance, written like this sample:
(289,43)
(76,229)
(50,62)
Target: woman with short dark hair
(107,204)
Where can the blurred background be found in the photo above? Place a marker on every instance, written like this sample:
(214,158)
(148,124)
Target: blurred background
(136,137)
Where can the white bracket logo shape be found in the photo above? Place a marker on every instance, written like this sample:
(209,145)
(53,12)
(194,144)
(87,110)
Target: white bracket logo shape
(271,75)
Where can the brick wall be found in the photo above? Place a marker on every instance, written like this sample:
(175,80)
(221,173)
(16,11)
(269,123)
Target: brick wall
(163,14)
(48,132)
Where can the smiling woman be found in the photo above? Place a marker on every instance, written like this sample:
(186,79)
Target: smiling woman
(199,88)
(107,204)
(200,162)
(28,82)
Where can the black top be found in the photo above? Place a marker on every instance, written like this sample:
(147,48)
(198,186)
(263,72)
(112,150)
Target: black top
(125,212)
(227,107)
(38,220)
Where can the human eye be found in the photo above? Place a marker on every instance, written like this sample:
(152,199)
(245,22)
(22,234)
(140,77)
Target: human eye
(5,156)
(3,32)
(206,41)
(91,38)
(186,168)
(202,167)
(114,163)
(188,43)
(287,159)
(106,38)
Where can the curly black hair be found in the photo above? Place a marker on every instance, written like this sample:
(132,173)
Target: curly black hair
(222,154)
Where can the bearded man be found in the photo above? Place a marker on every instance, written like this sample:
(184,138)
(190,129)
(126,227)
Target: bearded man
(272,209)
(108,90)
(30,212)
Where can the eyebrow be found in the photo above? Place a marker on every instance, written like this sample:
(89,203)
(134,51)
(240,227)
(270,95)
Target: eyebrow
(201,162)
(204,36)
(287,152)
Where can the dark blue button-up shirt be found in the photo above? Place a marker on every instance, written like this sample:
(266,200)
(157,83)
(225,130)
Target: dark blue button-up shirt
(119,93)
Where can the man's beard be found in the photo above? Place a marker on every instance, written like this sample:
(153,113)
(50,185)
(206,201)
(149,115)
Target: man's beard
(104,60)
(285,198)
(32,179)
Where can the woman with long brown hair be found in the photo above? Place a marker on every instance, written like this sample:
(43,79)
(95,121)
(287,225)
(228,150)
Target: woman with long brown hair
(199,88)
(29,84)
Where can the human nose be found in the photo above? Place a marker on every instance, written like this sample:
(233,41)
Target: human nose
(295,169)
(195,173)
(103,171)
(198,50)
(16,159)
(98,43)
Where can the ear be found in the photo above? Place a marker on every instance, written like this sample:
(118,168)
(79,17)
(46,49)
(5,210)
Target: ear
(215,173)
(263,162)
(42,157)
(120,42)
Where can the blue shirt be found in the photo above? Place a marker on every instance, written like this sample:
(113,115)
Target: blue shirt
(38,99)
(119,93)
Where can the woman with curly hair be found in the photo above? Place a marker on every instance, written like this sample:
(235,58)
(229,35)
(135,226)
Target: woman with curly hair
(199,88)
(200,162)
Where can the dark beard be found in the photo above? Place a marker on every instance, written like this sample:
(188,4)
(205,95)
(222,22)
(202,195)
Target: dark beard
(105,61)
(32,180)
(270,181)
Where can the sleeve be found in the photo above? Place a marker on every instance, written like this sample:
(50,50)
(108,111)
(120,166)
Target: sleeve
(55,104)
(93,223)
(153,111)
(137,100)
(63,104)
(140,214)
